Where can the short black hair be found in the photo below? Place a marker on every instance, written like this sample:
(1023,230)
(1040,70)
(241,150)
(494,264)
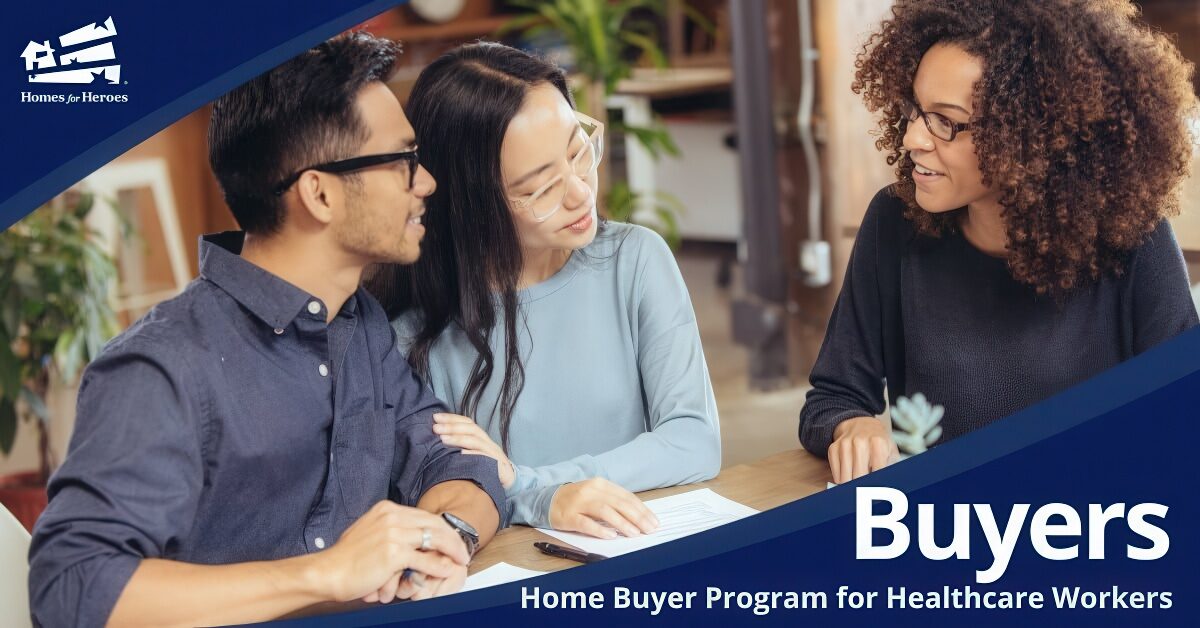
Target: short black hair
(299,114)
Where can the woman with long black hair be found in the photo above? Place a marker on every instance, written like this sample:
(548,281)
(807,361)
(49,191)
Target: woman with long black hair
(569,341)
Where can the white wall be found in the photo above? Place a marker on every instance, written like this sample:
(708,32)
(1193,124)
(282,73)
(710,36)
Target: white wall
(705,179)
(24,456)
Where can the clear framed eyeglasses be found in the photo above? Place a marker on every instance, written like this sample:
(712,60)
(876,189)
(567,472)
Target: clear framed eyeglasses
(548,199)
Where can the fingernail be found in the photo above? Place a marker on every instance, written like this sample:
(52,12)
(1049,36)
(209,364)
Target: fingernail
(437,429)
(438,416)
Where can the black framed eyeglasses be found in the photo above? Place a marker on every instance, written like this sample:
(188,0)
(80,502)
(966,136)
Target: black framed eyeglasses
(938,125)
(357,163)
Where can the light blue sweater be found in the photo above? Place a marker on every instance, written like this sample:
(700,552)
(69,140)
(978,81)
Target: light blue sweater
(616,385)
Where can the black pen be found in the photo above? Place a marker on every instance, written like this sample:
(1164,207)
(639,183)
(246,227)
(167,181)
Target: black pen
(551,549)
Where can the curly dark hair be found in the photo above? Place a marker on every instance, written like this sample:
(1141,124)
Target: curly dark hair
(1080,124)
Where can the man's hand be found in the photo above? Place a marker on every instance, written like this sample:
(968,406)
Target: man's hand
(583,506)
(421,587)
(860,445)
(369,559)
(462,432)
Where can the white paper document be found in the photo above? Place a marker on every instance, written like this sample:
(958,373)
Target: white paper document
(678,516)
(500,573)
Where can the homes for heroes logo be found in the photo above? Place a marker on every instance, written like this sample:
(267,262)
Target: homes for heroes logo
(84,56)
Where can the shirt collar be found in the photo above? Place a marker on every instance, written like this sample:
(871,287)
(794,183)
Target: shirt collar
(271,299)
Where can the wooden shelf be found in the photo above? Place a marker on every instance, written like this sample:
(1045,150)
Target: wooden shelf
(457,29)
(669,82)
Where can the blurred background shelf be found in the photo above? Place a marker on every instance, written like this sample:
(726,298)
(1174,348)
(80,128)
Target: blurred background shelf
(455,29)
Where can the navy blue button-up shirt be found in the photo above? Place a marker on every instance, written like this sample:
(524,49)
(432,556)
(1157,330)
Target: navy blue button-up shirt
(232,424)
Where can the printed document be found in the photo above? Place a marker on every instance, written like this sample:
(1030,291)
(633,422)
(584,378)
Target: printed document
(678,516)
(500,573)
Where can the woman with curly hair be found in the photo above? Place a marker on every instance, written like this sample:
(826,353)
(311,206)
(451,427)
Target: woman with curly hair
(1039,147)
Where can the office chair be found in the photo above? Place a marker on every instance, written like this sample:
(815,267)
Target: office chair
(14,572)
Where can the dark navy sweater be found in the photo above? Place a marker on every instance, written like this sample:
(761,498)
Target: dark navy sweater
(940,317)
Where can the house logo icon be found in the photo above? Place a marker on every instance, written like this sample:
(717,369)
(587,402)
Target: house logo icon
(84,55)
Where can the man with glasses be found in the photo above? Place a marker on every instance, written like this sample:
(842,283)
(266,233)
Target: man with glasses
(257,445)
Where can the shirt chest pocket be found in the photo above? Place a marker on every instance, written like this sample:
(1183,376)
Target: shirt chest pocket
(362,455)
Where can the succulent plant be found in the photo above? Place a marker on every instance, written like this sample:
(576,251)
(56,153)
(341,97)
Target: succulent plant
(916,424)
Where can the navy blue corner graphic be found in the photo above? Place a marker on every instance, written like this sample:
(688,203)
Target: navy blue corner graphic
(175,58)
(1128,436)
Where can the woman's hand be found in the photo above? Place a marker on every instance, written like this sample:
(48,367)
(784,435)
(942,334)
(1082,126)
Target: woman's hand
(586,506)
(462,432)
(860,446)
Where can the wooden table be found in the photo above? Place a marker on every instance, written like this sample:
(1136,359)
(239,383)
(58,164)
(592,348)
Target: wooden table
(764,484)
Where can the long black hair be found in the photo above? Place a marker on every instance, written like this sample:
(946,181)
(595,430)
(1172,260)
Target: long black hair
(471,258)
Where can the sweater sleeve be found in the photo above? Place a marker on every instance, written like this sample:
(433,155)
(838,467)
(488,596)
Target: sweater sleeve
(848,376)
(1160,304)
(682,442)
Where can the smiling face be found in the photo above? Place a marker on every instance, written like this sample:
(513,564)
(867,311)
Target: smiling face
(382,217)
(946,173)
(539,153)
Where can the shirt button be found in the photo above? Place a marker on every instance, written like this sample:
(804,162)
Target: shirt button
(323,370)
(319,542)
(314,307)
(278,331)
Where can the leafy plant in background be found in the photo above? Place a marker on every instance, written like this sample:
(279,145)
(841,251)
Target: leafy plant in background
(622,203)
(916,424)
(607,38)
(54,311)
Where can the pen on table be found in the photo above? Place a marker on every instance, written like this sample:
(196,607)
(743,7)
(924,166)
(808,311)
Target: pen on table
(551,549)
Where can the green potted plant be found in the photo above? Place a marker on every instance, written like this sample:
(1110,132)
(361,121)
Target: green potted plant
(55,316)
(607,39)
